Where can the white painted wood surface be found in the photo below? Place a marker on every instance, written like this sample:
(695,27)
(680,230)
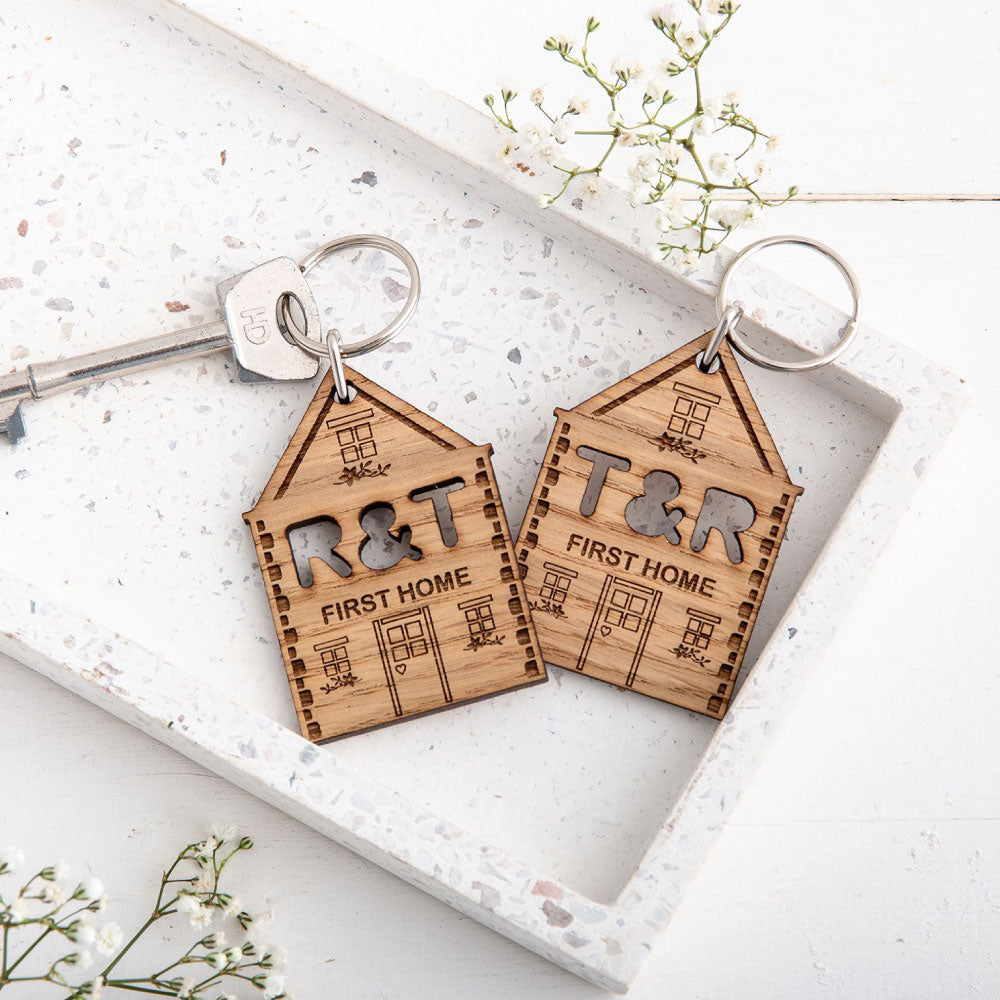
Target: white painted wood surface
(863,859)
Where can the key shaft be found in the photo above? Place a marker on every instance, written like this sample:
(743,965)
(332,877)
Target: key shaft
(51,377)
(48,378)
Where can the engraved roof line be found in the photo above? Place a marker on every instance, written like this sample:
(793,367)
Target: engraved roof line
(371,392)
(762,447)
(320,419)
(310,437)
(744,416)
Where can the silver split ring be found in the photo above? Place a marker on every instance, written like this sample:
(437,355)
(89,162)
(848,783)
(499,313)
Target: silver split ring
(722,308)
(321,348)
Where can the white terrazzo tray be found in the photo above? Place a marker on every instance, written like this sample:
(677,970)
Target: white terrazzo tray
(123,505)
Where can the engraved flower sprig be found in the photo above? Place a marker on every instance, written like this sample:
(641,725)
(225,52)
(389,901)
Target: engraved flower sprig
(700,161)
(49,932)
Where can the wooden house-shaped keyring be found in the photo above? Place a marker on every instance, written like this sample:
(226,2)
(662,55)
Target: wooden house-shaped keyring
(388,566)
(653,530)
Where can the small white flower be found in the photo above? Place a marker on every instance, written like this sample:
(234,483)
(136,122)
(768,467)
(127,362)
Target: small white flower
(716,7)
(18,910)
(217,960)
(670,15)
(273,985)
(733,97)
(233,955)
(704,125)
(727,216)
(82,932)
(185,988)
(722,165)
(505,154)
(750,211)
(615,119)
(537,96)
(205,882)
(54,893)
(690,259)
(216,940)
(543,201)
(508,91)
(673,65)
(773,143)
(561,130)
(674,217)
(99,905)
(90,888)
(84,959)
(11,858)
(689,40)
(561,41)
(644,169)
(548,151)
(109,938)
(656,88)
(532,136)
(222,831)
(706,26)
(577,105)
(591,188)
(628,139)
(626,67)
(712,107)
(201,917)
(231,908)
(762,169)
(672,153)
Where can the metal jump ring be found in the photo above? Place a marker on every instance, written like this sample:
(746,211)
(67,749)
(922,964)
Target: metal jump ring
(341,391)
(746,350)
(708,359)
(319,348)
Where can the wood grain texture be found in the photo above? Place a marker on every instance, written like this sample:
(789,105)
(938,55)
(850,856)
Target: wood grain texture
(389,568)
(653,530)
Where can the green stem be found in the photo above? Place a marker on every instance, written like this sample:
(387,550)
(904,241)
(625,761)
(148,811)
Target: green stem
(159,910)
(123,985)
(41,937)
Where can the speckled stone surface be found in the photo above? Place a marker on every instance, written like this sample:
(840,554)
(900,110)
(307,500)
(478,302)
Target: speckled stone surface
(124,206)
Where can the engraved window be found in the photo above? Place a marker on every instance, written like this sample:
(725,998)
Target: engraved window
(480,620)
(692,408)
(625,610)
(336,664)
(406,640)
(335,660)
(356,443)
(555,587)
(700,627)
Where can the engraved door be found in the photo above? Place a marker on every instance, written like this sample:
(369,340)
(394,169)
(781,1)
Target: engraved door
(620,624)
(412,660)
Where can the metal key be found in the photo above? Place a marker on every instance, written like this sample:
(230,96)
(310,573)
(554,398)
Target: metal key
(252,329)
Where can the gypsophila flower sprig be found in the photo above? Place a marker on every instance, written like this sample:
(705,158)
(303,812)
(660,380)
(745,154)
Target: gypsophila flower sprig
(48,933)
(700,165)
